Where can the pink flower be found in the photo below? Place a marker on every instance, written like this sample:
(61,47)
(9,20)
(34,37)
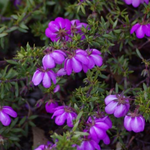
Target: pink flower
(141,30)
(45,76)
(134,122)
(41,147)
(94,59)
(5,112)
(58,29)
(117,105)
(50,106)
(76,26)
(52,58)
(75,61)
(46,147)
(64,113)
(136,3)
(88,144)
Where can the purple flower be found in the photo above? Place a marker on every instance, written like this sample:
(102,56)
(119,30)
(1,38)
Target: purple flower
(46,147)
(136,3)
(41,147)
(63,113)
(5,112)
(45,76)
(88,144)
(97,130)
(134,122)
(94,59)
(75,61)
(76,26)
(50,106)
(58,29)
(141,30)
(52,58)
(117,105)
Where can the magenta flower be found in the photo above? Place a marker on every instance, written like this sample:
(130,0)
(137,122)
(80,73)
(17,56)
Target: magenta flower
(117,105)
(76,26)
(50,106)
(45,76)
(88,144)
(63,113)
(134,122)
(94,59)
(141,30)
(52,58)
(97,130)
(75,61)
(5,112)
(41,147)
(136,3)
(58,29)
(46,147)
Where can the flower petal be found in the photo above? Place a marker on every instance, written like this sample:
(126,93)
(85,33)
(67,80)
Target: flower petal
(48,61)
(82,58)
(97,59)
(58,111)
(88,146)
(110,98)
(58,57)
(110,108)
(120,111)
(4,118)
(52,75)
(76,65)
(54,26)
(8,110)
(136,3)
(140,32)
(68,67)
(37,77)
(46,80)
(106,140)
(61,22)
(127,123)
(134,28)
(146,29)
(60,120)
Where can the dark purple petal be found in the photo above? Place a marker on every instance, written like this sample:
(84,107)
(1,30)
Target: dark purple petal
(127,123)
(67,25)
(140,32)
(91,63)
(81,147)
(60,120)
(68,66)
(134,28)
(76,65)
(57,88)
(50,107)
(110,98)
(46,80)
(146,1)
(70,117)
(85,68)
(61,52)
(102,125)
(4,118)
(74,22)
(37,77)
(8,110)
(48,61)
(110,108)
(80,51)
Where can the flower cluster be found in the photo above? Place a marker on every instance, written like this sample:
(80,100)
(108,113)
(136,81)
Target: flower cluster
(119,106)
(136,3)
(73,60)
(64,29)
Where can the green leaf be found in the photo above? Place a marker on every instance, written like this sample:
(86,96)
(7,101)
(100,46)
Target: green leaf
(12,62)
(3,34)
